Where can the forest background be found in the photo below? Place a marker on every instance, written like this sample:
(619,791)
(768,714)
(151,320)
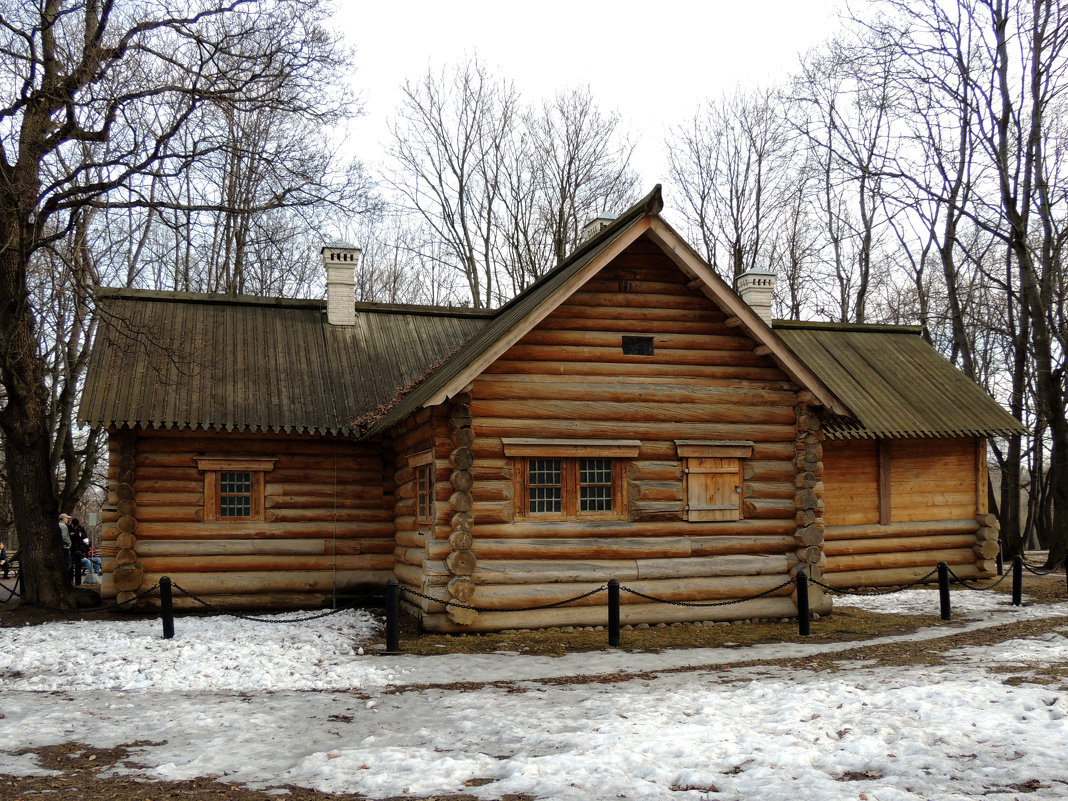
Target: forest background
(910,169)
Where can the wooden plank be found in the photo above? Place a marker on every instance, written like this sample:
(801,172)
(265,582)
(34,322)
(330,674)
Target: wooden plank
(883,457)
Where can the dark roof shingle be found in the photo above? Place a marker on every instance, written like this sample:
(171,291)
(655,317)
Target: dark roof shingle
(166,360)
(895,384)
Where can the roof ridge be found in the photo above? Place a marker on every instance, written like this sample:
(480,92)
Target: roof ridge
(870,328)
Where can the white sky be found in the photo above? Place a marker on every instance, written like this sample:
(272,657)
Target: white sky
(653,62)
(266,705)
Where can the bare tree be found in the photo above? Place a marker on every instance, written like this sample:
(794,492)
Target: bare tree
(449,141)
(731,163)
(98,105)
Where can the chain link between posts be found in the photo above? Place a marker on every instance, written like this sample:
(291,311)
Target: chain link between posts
(219,610)
(903,587)
(964,582)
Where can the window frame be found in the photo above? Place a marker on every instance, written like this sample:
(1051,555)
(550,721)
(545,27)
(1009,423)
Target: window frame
(213,468)
(570,452)
(423,465)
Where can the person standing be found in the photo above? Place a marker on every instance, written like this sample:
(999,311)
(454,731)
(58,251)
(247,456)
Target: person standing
(64,534)
(5,563)
(90,561)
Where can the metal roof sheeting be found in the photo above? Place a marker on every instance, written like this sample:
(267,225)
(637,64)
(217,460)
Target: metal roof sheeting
(895,384)
(182,360)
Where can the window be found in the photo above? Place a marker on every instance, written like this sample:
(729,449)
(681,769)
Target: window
(235,493)
(424,486)
(233,488)
(568,488)
(713,479)
(569,479)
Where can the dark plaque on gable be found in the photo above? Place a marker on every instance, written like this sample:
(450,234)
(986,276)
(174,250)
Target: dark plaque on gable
(638,346)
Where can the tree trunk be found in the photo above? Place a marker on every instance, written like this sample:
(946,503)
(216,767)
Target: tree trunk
(27,439)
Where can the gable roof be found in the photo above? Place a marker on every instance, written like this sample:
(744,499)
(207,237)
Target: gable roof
(167,359)
(528,308)
(894,383)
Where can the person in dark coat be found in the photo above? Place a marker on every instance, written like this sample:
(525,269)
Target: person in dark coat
(77,549)
(5,562)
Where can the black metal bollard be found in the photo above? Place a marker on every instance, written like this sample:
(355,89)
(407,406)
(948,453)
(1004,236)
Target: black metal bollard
(804,618)
(943,589)
(613,613)
(392,617)
(1066,569)
(1017,580)
(1000,560)
(166,607)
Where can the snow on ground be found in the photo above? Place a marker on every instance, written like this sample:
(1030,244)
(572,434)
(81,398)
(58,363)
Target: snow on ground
(267,704)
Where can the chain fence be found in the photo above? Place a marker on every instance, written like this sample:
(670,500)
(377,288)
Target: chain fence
(965,583)
(868,592)
(304,619)
(394,591)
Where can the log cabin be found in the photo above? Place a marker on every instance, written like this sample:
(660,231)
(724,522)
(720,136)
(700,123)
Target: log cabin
(628,416)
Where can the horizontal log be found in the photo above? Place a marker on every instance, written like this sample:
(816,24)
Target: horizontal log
(509,596)
(366,514)
(500,427)
(769,508)
(911,529)
(717,566)
(585,548)
(173,530)
(253,602)
(611,339)
(898,544)
(576,309)
(645,411)
(678,390)
(635,368)
(712,530)
(954,556)
(892,577)
(274,581)
(769,490)
(533,571)
(643,301)
(659,448)
(411,539)
(177,566)
(630,613)
(752,544)
(276,547)
(647,470)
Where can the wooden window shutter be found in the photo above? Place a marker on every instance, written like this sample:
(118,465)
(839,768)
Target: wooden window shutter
(713,488)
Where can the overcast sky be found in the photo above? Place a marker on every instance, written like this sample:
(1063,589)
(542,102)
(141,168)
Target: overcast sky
(652,62)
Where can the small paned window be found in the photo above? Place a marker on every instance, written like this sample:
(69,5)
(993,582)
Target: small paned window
(235,494)
(545,482)
(595,485)
(234,488)
(424,493)
(567,488)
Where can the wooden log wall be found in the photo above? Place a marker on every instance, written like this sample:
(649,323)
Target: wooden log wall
(569,378)
(809,506)
(932,506)
(327,524)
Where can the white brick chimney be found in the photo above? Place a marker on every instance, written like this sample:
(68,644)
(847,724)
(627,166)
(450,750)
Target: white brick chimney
(755,287)
(596,225)
(340,261)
